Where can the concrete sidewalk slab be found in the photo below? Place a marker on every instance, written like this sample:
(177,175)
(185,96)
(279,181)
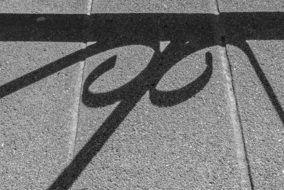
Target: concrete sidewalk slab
(250,5)
(147,109)
(37,121)
(41,6)
(151,6)
(140,145)
(186,146)
(259,92)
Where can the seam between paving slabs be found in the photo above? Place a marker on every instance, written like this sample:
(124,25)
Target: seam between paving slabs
(242,158)
(74,128)
(241,152)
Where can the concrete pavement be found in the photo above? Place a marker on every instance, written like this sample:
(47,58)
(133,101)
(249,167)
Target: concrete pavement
(260,96)
(141,104)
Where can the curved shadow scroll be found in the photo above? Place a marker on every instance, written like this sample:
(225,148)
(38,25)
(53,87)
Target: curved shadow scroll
(171,98)
(128,95)
(115,30)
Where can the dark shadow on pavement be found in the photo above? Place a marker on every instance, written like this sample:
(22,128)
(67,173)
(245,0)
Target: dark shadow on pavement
(187,34)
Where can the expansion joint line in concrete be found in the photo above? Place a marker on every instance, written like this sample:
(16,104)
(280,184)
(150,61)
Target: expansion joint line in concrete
(79,85)
(238,133)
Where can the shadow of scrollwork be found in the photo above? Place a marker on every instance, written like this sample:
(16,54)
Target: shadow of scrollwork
(116,30)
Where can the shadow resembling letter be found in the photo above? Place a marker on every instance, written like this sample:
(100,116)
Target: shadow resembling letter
(128,95)
(171,98)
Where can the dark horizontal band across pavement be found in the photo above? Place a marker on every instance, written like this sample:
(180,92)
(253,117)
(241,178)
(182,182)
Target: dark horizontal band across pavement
(123,29)
(68,28)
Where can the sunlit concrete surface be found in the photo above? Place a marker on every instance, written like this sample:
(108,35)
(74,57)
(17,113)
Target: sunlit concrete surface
(141,95)
(36,121)
(260,95)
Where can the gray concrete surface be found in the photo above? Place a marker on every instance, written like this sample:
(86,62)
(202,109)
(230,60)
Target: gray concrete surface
(262,125)
(56,134)
(151,6)
(42,6)
(263,129)
(186,146)
(36,121)
(250,5)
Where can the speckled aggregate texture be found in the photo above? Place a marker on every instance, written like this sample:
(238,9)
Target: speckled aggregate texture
(151,6)
(263,129)
(35,121)
(125,117)
(185,146)
(261,119)
(251,5)
(43,6)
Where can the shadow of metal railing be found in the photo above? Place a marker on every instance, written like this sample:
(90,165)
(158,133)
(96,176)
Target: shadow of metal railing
(115,30)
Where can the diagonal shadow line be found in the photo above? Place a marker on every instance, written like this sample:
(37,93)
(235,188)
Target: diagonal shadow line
(244,46)
(240,27)
(93,146)
(69,60)
(42,73)
(53,67)
(146,80)
(162,27)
